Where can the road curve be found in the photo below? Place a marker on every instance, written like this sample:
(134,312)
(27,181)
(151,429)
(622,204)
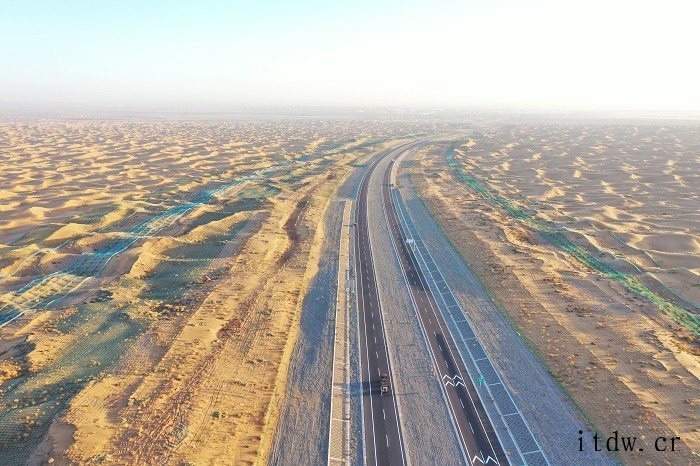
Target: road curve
(479,441)
(383,439)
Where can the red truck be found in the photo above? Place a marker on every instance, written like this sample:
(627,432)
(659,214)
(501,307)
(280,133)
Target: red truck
(384,384)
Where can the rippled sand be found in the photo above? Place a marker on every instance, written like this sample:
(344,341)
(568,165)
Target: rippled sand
(540,211)
(150,279)
(633,190)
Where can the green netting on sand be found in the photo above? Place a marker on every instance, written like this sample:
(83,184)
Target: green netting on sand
(555,235)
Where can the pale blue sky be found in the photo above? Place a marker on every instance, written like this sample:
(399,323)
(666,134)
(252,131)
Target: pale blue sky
(595,54)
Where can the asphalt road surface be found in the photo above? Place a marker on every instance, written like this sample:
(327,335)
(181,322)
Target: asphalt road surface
(384,444)
(382,429)
(478,439)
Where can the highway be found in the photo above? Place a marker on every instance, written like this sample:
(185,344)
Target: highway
(478,439)
(381,420)
(383,439)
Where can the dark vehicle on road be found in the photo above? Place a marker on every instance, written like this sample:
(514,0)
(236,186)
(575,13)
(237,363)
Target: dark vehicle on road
(384,384)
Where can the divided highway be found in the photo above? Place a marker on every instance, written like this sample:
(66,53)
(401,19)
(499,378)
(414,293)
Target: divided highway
(383,439)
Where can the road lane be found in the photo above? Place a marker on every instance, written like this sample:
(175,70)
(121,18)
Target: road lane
(480,444)
(382,429)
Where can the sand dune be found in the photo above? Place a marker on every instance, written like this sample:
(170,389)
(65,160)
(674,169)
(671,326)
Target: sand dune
(154,273)
(622,194)
(640,182)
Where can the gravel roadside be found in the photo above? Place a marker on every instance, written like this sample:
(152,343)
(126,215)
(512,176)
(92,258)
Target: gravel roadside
(428,433)
(552,418)
(301,435)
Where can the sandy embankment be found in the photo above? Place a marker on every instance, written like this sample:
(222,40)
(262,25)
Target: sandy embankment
(627,365)
(630,190)
(166,317)
(217,379)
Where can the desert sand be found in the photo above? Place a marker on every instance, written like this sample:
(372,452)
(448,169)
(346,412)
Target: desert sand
(625,194)
(151,275)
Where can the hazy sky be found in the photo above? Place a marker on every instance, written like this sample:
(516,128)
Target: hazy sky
(592,54)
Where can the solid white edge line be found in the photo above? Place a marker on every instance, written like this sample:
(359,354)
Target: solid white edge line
(414,260)
(455,426)
(517,446)
(397,404)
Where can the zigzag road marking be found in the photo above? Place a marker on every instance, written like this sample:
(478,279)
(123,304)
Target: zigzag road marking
(455,381)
